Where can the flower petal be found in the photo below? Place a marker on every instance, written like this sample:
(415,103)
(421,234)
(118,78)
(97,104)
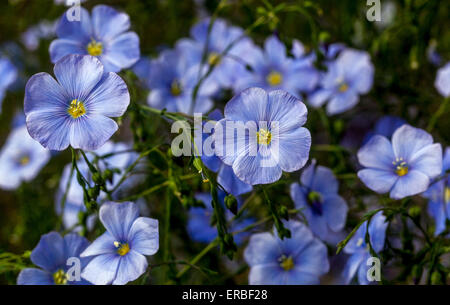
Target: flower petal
(49,252)
(342,102)
(249,105)
(313,259)
(262,249)
(91,131)
(131,266)
(75,30)
(33,276)
(62,47)
(143,236)
(104,244)
(414,182)
(352,266)
(51,129)
(118,218)
(108,23)
(294,148)
(380,181)
(407,140)
(335,210)
(102,269)
(123,51)
(231,183)
(377,153)
(428,160)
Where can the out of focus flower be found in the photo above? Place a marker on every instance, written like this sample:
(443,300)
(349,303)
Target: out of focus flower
(228,67)
(385,126)
(225,175)
(439,197)
(275,141)
(442,82)
(172,81)
(349,76)
(43,30)
(359,249)
(318,198)
(8,74)
(119,254)
(52,255)
(104,34)
(299,260)
(272,69)
(21,159)
(202,230)
(76,109)
(404,167)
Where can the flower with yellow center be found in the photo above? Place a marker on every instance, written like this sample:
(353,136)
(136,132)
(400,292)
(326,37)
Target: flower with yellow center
(175,88)
(122,248)
(343,87)
(60,277)
(94,48)
(401,168)
(263,136)
(214,59)
(274,78)
(286,262)
(24,160)
(76,109)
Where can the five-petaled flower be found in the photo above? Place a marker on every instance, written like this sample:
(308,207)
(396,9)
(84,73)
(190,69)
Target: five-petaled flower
(75,109)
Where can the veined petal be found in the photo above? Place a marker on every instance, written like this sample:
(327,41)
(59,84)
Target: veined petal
(62,47)
(143,236)
(414,182)
(75,30)
(131,266)
(262,249)
(108,23)
(335,210)
(294,148)
(124,50)
(407,140)
(102,269)
(378,180)
(313,259)
(91,131)
(249,105)
(74,244)
(286,109)
(377,153)
(231,183)
(34,276)
(49,252)
(118,218)
(104,244)
(428,160)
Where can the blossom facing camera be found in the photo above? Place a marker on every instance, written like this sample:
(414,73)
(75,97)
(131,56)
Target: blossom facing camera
(349,76)
(404,167)
(299,260)
(21,159)
(54,255)
(262,135)
(442,82)
(74,109)
(119,254)
(319,200)
(104,34)
(359,250)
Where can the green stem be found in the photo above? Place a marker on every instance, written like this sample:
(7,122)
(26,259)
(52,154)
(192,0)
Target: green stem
(198,257)
(438,114)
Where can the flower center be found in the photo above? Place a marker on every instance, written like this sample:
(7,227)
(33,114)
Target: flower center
(175,88)
(286,262)
(315,202)
(274,78)
(213,59)
(263,136)
(60,277)
(94,48)
(24,160)
(401,168)
(122,248)
(76,109)
(447,194)
(343,87)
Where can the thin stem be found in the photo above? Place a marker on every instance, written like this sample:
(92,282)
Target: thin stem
(198,257)
(438,114)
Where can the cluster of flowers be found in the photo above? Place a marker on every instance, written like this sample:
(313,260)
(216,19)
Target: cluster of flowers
(76,110)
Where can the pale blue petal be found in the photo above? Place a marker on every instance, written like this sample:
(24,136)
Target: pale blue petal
(249,105)
(262,249)
(377,231)
(75,30)
(118,218)
(352,266)
(143,236)
(230,182)
(74,244)
(62,47)
(437,210)
(131,266)
(33,276)
(123,51)
(335,210)
(102,269)
(104,244)
(91,131)
(442,82)
(313,259)
(285,109)
(407,140)
(49,252)
(414,182)
(275,50)
(319,97)
(342,102)
(294,148)
(267,275)
(295,277)
(109,23)
(428,160)
(380,181)
(377,153)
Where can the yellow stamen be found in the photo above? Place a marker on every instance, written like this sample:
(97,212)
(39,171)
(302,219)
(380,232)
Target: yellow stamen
(343,87)
(274,78)
(263,136)
(122,249)
(76,109)
(24,160)
(175,88)
(447,195)
(95,48)
(60,277)
(286,263)
(214,59)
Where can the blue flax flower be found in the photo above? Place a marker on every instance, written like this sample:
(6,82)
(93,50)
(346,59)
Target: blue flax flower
(104,35)
(55,256)
(225,175)
(349,76)
(21,159)
(299,260)
(442,82)
(172,81)
(75,109)
(199,225)
(358,249)
(262,135)
(119,252)
(8,74)
(438,195)
(403,167)
(317,196)
(273,70)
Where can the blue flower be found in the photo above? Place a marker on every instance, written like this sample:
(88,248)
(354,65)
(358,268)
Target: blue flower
(75,109)
(438,195)
(8,75)
(442,82)
(317,196)
(359,249)
(228,67)
(270,137)
(199,225)
(119,252)
(385,126)
(225,175)
(21,159)
(349,76)
(403,168)
(299,260)
(52,255)
(172,81)
(273,70)
(104,35)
